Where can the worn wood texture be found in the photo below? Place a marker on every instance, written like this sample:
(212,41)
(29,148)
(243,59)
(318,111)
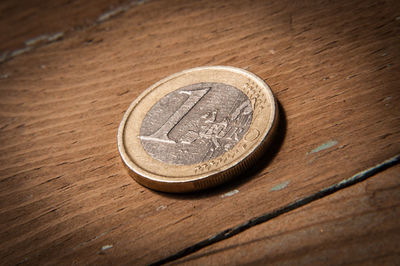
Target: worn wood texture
(357,225)
(64,194)
(25,20)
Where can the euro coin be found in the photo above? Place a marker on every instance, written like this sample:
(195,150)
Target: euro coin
(197,128)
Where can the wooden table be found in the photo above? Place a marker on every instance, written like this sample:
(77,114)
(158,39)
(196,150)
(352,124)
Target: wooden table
(327,191)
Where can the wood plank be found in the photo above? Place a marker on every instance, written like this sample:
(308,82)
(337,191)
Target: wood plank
(357,225)
(64,193)
(28,21)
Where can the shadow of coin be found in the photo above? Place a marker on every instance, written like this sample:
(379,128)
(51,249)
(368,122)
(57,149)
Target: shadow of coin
(248,173)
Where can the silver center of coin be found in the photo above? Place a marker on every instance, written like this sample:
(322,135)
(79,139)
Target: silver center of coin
(196,123)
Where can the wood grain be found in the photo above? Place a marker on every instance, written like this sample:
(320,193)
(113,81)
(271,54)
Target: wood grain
(64,193)
(26,20)
(357,225)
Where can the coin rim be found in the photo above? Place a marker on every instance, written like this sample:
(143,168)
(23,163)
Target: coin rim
(206,179)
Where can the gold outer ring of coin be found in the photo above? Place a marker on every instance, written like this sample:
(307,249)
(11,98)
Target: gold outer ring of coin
(166,177)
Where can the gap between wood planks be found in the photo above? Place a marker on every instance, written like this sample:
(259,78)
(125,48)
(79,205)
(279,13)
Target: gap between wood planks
(230,232)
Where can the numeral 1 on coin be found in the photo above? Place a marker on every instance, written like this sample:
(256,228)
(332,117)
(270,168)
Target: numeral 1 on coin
(161,134)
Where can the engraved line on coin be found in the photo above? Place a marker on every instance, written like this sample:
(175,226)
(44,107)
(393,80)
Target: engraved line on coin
(161,134)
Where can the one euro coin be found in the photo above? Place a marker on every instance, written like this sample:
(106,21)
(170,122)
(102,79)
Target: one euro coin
(197,128)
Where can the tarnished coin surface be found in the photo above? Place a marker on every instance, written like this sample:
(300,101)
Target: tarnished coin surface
(197,128)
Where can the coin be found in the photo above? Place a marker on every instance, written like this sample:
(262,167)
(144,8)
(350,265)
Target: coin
(197,128)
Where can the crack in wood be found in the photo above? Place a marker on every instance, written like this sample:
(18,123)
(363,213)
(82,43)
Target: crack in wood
(230,232)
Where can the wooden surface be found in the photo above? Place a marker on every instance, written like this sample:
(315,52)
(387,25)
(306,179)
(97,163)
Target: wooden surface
(357,225)
(64,195)
(26,20)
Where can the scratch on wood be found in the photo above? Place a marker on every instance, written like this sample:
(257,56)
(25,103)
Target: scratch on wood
(123,93)
(230,193)
(116,11)
(30,44)
(19,51)
(324,146)
(112,13)
(94,238)
(94,169)
(51,179)
(160,208)
(105,247)
(44,38)
(182,219)
(280,186)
